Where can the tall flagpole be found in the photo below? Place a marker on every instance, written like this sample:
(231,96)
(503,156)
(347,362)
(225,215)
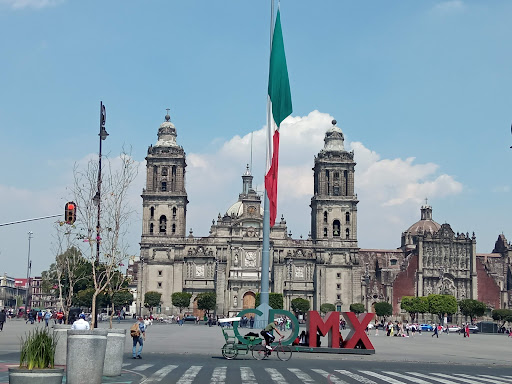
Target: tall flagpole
(265,254)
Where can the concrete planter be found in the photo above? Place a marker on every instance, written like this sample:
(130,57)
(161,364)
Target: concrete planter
(85,356)
(60,330)
(36,376)
(116,339)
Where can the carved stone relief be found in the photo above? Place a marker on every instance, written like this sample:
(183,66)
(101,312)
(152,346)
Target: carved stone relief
(199,270)
(250,259)
(299,272)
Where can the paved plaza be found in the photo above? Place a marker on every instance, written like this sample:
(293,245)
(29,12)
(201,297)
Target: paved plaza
(200,339)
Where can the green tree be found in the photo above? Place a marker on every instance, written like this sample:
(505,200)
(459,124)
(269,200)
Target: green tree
(69,274)
(122,298)
(472,308)
(152,299)
(275,300)
(327,307)
(414,305)
(207,301)
(383,309)
(442,304)
(357,308)
(181,300)
(300,305)
(84,298)
(502,315)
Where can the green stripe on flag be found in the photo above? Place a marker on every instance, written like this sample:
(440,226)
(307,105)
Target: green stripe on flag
(278,83)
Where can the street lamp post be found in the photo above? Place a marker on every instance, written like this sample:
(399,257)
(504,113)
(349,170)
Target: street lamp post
(28,275)
(97,198)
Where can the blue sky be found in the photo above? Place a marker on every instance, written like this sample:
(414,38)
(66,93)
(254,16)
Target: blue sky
(421,91)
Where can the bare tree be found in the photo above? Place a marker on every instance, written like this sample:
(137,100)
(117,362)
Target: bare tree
(117,176)
(68,269)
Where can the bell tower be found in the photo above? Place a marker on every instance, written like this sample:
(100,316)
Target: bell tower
(334,204)
(164,200)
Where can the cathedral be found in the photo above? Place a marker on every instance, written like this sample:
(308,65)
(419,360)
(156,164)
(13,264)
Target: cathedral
(327,267)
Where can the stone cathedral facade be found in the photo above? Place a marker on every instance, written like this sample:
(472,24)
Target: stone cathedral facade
(327,267)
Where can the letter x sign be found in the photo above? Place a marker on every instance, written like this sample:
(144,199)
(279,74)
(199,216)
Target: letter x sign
(357,332)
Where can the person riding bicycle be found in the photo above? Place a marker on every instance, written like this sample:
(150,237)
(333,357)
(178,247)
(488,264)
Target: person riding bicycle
(268,336)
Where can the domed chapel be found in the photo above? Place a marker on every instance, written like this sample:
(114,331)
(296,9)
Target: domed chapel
(327,267)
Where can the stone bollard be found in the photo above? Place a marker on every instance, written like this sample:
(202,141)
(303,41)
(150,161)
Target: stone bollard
(60,331)
(86,353)
(114,353)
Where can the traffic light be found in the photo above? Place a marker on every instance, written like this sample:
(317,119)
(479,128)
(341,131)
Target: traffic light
(70,212)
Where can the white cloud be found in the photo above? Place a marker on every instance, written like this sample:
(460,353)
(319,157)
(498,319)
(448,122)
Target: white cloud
(390,191)
(36,4)
(448,7)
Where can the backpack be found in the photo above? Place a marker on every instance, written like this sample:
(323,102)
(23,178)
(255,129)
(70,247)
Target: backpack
(135,330)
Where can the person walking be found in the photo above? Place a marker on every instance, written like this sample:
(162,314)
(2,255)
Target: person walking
(47,317)
(138,334)
(81,324)
(2,319)
(436,331)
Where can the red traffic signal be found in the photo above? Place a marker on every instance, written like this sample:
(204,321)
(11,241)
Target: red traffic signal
(70,212)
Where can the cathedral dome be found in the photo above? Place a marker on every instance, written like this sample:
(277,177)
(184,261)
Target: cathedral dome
(167,134)
(334,139)
(426,224)
(237,209)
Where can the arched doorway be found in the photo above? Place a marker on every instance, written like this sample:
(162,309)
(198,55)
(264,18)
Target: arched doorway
(249,300)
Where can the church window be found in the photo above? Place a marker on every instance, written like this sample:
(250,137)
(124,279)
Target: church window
(338,286)
(173,212)
(164,171)
(159,285)
(328,183)
(325,232)
(338,275)
(173,179)
(155,184)
(336,228)
(164,186)
(152,211)
(325,217)
(163,224)
(338,308)
(394,262)
(336,175)
(151,228)
(347,217)
(347,233)
(336,190)
(174,228)
(345,177)
(338,297)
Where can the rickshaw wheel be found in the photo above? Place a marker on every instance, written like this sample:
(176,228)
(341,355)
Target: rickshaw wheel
(229,351)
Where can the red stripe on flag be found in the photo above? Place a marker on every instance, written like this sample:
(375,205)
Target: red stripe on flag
(271,179)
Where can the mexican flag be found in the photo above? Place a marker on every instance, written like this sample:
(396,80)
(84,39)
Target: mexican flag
(280,106)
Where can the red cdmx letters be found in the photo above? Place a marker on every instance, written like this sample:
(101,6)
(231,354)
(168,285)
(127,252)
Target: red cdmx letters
(357,329)
(331,325)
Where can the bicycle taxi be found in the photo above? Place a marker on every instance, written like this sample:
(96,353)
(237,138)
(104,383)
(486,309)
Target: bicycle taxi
(233,347)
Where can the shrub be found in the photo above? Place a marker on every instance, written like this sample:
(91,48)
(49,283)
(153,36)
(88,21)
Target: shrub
(38,349)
